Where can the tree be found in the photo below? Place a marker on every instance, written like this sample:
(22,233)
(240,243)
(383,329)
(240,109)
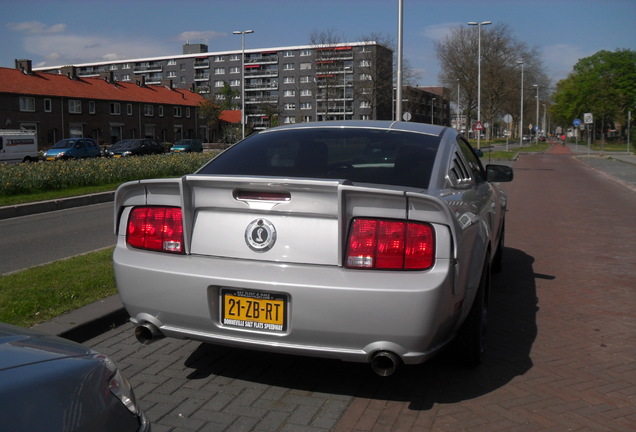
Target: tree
(603,84)
(212,106)
(500,72)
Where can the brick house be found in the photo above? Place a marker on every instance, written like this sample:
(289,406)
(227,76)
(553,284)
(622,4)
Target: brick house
(65,105)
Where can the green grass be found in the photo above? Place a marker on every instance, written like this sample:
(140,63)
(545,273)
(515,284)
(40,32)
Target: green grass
(40,293)
(56,194)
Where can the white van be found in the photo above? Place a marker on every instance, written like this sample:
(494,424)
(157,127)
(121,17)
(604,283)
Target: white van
(18,146)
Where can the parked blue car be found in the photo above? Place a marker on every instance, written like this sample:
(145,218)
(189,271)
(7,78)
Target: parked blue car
(187,145)
(73,148)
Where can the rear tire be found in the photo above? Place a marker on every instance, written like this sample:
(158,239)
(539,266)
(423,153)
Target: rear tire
(470,340)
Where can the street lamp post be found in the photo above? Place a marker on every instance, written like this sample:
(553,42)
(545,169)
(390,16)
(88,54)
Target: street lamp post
(520,62)
(243,33)
(432,110)
(536,134)
(479,24)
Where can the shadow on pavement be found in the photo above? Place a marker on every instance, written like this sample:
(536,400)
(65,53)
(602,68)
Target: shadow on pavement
(511,332)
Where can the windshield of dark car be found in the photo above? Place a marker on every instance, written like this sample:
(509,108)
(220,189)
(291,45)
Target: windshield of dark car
(64,144)
(356,154)
(125,144)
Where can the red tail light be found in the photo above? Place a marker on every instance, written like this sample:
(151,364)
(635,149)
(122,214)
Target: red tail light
(387,244)
(156,228)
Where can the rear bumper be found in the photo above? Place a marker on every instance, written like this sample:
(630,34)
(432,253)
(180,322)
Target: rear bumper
(331,311)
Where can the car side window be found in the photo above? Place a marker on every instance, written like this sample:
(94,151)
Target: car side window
(477,170)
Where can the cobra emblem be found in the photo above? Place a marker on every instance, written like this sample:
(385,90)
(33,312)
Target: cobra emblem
(260,235)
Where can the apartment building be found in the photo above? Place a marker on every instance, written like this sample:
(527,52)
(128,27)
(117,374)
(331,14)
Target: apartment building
(280,85)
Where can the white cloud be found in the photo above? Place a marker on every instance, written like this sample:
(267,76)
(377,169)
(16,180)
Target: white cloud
(194,36)
(36,27)
(561,58)
(438,32)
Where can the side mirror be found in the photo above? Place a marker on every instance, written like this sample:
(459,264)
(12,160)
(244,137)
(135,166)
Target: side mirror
(499,173)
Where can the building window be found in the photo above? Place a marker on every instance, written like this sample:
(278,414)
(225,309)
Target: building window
(129,109)
(290,106)
(305,53)
(125,66)
(27,104)
(48,105)
(219,58)
(125,77)
(366,77)
(289,80)
(305,92)
(289,120)
(235,69)
(289,67)
(305,66)
(305,79)
(305,105)
(289,53)
(365,63)
(235,57)
(149,110)
(218,84)
(172,74)
(91,107)
(74,106)
(160,110)
(235,83)
(290,93)
(113,67)
(177,112)
(365,104)
(219,71)
(115,108)
(172,62)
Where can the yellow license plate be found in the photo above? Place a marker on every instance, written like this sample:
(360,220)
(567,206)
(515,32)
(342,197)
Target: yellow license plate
(254,310)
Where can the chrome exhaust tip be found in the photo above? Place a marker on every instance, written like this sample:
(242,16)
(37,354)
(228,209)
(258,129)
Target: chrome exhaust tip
(147,333)
(384,363)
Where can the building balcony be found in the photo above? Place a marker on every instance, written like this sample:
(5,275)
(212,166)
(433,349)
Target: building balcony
(202,64)
(148,68)
(264,59)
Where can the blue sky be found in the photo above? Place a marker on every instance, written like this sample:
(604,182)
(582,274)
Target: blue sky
(57,32)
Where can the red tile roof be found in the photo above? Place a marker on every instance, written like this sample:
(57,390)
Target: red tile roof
(44,84)
(231,116)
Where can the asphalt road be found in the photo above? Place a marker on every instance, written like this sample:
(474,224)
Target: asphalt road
(560,352)
(41,238)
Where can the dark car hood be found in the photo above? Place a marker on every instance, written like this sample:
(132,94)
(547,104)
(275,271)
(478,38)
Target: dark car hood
(20,347)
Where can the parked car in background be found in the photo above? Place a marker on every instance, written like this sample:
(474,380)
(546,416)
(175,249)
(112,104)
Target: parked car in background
(187,146)
(367,241)
(52,384)
(18,145)
(135,147)
(73,148)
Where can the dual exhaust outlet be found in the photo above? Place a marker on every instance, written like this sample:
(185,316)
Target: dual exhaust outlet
(383,363)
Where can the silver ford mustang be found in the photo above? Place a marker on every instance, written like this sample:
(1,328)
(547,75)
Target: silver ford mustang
(365,241)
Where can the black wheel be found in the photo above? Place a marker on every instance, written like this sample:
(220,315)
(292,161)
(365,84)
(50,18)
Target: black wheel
(470,340)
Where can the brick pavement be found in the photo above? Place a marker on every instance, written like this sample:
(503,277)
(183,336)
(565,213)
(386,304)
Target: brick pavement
(562,332)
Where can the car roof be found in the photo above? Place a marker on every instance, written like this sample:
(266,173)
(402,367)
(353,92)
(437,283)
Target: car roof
(423,128)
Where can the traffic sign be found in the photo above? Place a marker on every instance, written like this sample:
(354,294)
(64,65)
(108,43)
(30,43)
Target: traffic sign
(577,122)
(479,126)
(588,118)
(508,118)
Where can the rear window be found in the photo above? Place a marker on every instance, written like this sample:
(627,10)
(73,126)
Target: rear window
(359,155)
